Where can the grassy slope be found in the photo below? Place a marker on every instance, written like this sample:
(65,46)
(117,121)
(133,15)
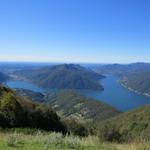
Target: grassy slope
(55,141)
(132,125)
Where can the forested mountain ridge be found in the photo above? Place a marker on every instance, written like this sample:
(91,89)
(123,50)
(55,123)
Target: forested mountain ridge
(66,76)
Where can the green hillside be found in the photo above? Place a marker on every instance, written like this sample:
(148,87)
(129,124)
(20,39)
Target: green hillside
(67,76)
(130,126)
(16,111)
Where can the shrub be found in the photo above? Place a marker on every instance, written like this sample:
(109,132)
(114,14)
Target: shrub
(42,117)
(76,128)
(11,110)
(109,134)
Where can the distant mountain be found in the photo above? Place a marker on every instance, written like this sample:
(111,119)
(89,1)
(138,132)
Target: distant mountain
(120,69)
(3,77)
(139,81)
(67,76)
(134,76)
(128,126)
(71,104)
(17,111)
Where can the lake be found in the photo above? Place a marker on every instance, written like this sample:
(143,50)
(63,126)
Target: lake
(113,94)
(25,85)
(117,95)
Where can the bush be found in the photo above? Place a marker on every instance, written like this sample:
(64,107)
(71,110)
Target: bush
(43,117)
(76,128)
(11,111)
(109,134)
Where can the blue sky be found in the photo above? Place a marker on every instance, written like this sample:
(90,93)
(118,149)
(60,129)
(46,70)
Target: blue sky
(104,31)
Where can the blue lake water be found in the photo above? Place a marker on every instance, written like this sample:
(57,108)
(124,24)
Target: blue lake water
(113,94)
(117,95)
(25,85)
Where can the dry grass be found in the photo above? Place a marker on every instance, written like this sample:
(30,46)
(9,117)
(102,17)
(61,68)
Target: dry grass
(56,141)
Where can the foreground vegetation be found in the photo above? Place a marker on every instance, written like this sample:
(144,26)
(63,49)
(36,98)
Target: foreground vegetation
(133,125)
(20,112)
(39,140)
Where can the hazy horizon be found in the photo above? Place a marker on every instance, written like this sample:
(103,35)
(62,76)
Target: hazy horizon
(50,62)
